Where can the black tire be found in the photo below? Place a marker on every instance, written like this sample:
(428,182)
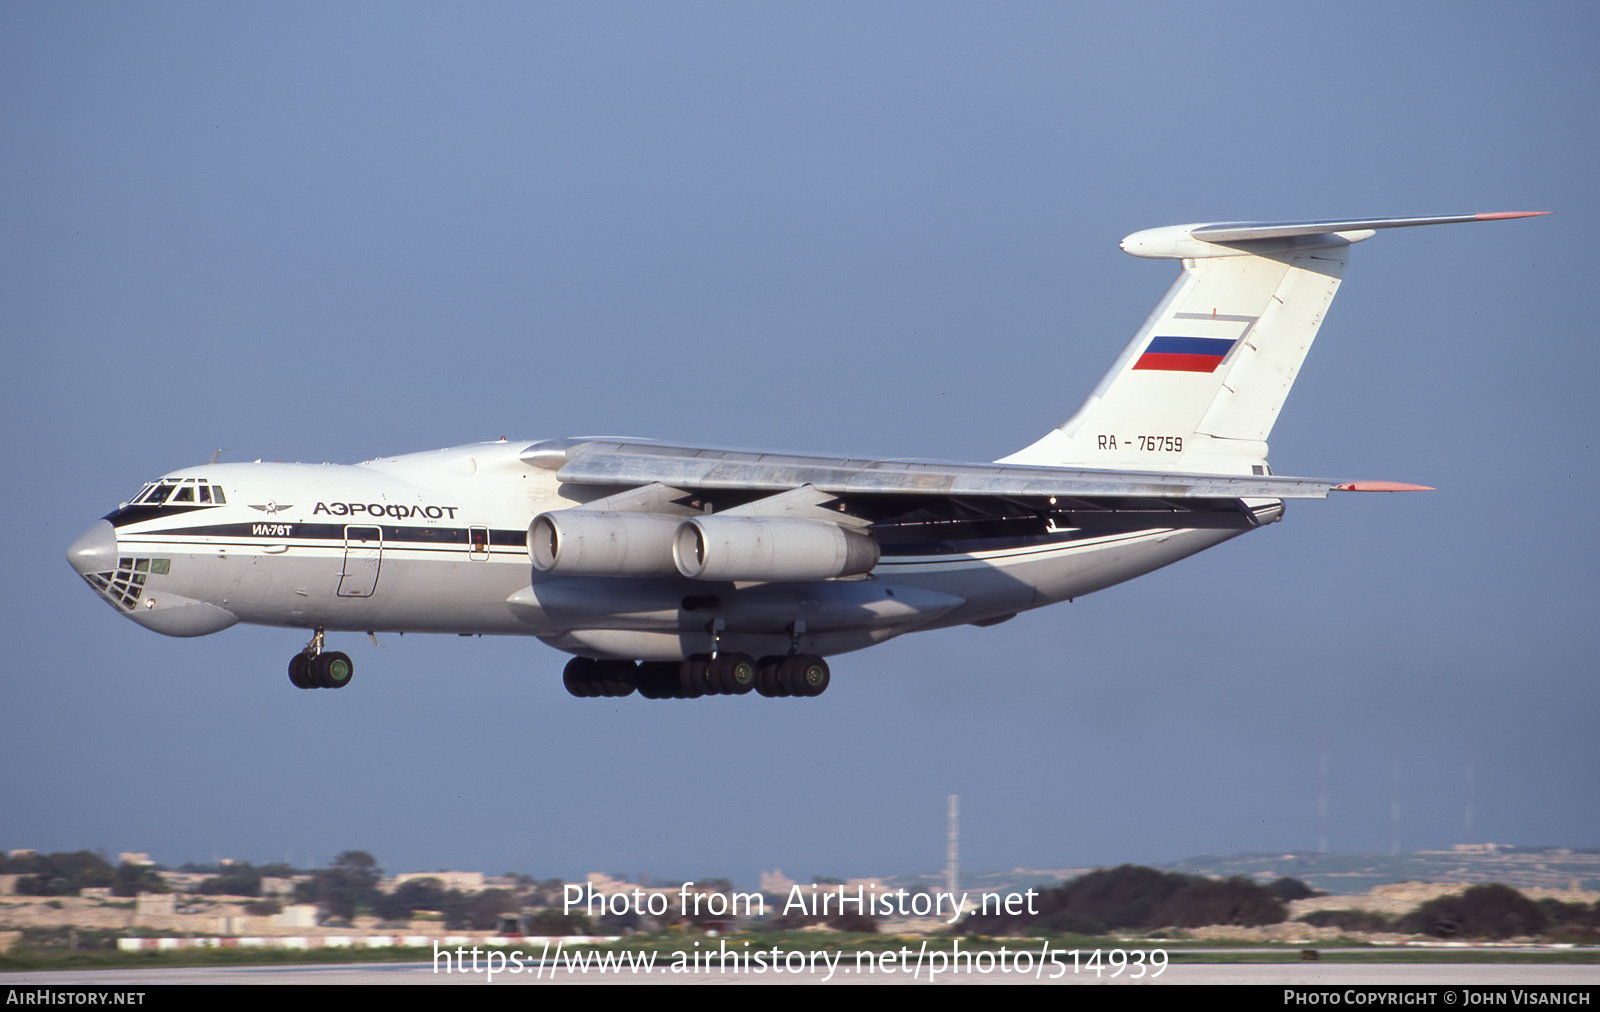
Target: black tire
(808,676)
(692,676)
(300,671)
(577,677)
(738,674)
(717,672)
(616,678)
(781,684)
(658,680)
(332,669)
(767,675)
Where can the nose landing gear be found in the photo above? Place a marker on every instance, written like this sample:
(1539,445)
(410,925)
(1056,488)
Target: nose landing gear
(314,668)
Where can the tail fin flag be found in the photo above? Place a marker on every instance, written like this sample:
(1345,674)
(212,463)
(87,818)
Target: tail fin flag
(1201,384)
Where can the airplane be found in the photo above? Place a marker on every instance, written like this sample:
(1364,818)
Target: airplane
(679,571)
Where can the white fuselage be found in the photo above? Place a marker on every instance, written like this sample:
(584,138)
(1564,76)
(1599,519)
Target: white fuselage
(437,542)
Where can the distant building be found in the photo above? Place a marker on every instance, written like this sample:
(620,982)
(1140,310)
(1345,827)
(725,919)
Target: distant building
(276,886)
(301,915)
(155,905)
(130,857)
(461,881)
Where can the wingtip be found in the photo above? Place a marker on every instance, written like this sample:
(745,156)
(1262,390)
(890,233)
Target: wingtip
(1500,215)
(1382,486)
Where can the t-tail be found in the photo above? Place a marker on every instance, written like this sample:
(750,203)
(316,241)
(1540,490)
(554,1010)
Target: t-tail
(1201,384)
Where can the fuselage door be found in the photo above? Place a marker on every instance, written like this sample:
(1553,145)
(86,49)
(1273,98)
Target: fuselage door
(363,556)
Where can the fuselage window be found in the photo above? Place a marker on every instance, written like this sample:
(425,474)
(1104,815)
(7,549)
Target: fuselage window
(205,493)
(185,493)
(216,496)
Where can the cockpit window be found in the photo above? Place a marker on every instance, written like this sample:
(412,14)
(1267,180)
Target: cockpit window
(174,491)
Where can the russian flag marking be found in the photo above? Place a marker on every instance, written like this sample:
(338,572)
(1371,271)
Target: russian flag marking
(1184,354)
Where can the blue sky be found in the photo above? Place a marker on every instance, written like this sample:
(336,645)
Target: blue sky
(332,232)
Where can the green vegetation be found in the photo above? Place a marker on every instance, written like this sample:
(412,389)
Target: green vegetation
(235,880)
(1486,911)
(1133,897)
(65,873)
(350,884)
(1348,920)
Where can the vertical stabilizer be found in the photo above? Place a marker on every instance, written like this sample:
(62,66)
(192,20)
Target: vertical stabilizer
(1201,384)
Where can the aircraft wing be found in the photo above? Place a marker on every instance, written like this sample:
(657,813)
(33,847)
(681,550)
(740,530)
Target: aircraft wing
(631,464)
(907,496)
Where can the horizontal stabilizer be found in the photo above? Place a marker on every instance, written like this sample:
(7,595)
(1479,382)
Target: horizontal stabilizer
(1382,486)
(1244,231)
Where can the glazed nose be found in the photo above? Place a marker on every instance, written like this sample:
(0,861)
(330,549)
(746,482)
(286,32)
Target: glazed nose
(95,551)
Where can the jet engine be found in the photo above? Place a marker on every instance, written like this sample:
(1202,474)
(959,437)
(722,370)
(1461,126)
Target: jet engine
(602,543)
(769,549)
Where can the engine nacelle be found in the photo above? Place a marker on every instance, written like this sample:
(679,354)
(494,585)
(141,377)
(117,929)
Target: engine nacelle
(602,543)
(769,549)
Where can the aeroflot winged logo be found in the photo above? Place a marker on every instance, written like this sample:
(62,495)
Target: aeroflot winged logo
(272,507)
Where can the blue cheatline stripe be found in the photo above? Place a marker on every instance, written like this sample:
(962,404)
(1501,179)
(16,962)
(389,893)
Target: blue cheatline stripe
(1216,347)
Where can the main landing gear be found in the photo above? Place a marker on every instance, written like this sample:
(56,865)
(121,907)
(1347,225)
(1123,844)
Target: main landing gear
(314,668)
(698,675)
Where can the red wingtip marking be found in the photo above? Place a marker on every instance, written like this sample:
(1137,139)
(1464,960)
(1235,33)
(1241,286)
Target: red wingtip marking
(1499,215)
(1382,486)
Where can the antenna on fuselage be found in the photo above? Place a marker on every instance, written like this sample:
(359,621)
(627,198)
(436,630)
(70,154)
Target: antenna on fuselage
(216,455)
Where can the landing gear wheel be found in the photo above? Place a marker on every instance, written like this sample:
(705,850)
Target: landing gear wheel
(577,677)
(732,674)
(300,671)
(692,676)
(767,672)
(332,669)
(615,679)
(781,682)
(658,680)
(807,675)
(740,674)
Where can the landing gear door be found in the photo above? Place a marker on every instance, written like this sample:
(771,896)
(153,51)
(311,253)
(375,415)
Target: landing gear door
(363,556)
